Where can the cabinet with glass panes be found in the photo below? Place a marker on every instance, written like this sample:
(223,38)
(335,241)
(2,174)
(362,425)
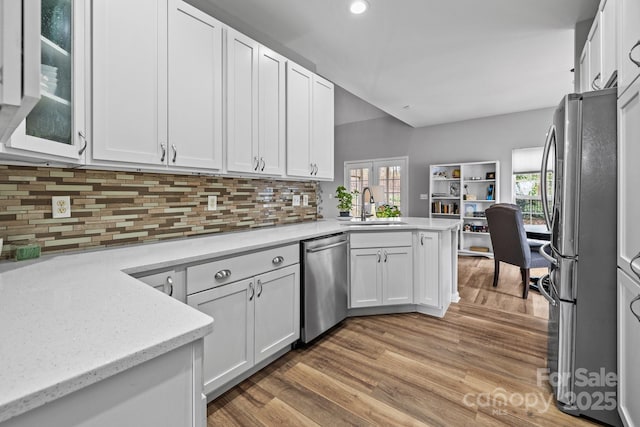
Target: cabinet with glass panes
(56,125)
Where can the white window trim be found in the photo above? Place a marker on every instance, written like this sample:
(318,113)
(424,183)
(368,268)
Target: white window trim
(403,162)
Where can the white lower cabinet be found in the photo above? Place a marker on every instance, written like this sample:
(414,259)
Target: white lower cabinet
(432,284)
(381,275)
(254,318)
(628,349)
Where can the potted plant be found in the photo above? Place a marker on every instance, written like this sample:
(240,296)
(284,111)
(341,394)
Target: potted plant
(388,211)
(345,200)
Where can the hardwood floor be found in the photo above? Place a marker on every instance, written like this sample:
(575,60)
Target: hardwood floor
(476,366)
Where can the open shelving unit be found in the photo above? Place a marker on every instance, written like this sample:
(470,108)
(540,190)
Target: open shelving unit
(465,190)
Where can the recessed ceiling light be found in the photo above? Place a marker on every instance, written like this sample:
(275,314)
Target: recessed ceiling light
(358,6)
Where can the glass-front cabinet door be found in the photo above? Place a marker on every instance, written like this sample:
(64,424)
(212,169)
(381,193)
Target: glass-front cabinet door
(56,125)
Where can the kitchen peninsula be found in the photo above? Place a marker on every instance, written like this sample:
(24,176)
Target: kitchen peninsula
(90,326)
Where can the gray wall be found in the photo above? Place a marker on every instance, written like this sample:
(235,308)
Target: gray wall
(490,138)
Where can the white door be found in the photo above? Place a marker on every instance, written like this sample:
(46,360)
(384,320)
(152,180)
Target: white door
(195,88)
(228,350)
(272,120)
(130,81)
(242,103)
(56,125)
(629,178)
(277,311)
(629,49)
(366,277)
(628,349)
(595,55)
(322,140)
(397,275)
(427,270)
(299,84)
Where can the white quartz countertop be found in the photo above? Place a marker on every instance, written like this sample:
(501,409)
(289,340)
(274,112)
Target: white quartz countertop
(72,320)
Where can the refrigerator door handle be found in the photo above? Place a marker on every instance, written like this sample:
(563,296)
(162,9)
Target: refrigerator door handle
(546,256)
(543,175)
(631,307)
(544,292)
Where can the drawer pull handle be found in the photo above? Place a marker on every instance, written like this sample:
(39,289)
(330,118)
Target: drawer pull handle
(168,286)
(277,260)
(631,307)
(631,52)
(222,274)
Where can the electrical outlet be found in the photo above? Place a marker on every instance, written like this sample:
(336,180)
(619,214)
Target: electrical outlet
(424,197)
(212,203)
(296,200)
(305,200)
(61,206)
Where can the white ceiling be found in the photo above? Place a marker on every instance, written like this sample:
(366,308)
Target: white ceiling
(449,60)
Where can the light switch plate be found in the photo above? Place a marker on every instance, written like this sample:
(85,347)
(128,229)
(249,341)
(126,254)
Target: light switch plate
(212,203)
(61,206)
(305,200)
(296,200)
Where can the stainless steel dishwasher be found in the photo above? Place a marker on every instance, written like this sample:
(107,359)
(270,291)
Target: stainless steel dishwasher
(324,286)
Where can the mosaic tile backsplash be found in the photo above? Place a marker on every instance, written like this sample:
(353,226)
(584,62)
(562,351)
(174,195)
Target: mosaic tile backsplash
(118,208)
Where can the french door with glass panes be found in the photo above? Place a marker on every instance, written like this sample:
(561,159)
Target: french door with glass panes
(390,174)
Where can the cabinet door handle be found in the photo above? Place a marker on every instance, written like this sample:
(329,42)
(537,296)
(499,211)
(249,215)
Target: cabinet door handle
(631,307)
(386,255)
(594,85)
(278,260)
(175,152)
(631,52)
(312,169)
(263,164)
(164,152)
(631,266)
(168,286)
(257,161)
(378,256)
(422,239)
(84,138)
(316,166)
(259,288)
(252,291)
(222,274)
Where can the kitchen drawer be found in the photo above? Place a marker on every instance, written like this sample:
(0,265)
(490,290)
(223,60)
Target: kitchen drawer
(202,277)
(383,239)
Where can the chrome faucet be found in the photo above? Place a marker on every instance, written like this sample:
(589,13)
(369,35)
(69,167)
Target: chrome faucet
(362,214)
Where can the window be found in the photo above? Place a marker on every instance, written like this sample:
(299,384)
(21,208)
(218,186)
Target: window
(526,164)
(390,174)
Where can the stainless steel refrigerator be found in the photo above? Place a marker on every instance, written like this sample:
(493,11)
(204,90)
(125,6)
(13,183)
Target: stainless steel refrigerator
(580,203)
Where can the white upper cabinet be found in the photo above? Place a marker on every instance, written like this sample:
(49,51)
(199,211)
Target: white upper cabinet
(242,103)
(272,112)
(157,93)
(55,127)
(299,86)
(310,124)
(322,137)
(594,43)
(584,70)
(130,81)
(629,51)
(608,34)
(255,107)
(195,88)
